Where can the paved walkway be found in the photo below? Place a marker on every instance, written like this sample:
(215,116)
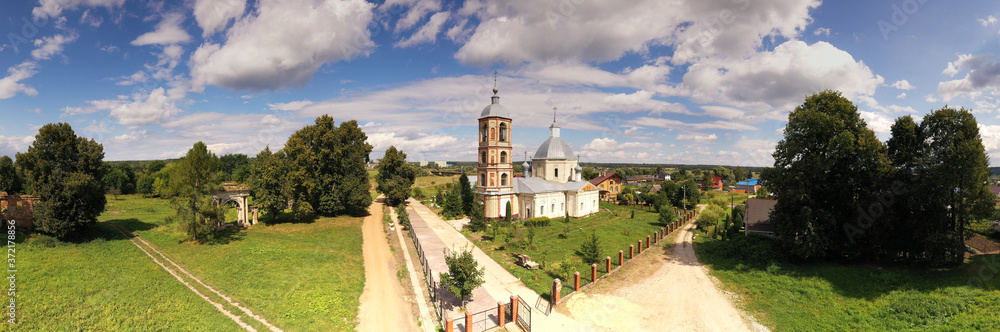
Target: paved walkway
(426,322)
(436,234)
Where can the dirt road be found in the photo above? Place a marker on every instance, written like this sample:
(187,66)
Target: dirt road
(660,292)
(383,307)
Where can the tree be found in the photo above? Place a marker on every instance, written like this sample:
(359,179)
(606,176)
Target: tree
(67,173)
(825,169)
(395,177)
(234,167)
(452,202)
(269,183)
(467,197)
(590,174)
(667,215)
(739,174)
(326,167)
(510,212)
(590,250)
(194,180)
(706,181)
(120,179)
(403,216)
(144,185)
(477,217)
(725,173)
(155,166)
(464,274)
(710,216)
(9,180)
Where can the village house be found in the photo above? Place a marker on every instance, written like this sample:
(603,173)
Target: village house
(609,185)
(756,218)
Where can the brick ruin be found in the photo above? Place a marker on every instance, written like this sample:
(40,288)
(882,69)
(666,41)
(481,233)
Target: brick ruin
(19,208)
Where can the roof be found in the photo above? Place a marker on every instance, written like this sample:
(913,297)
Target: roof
(748,182)
(535,185)
(494,108)
(602,178)
(995,190)
(757,214)
(554,148)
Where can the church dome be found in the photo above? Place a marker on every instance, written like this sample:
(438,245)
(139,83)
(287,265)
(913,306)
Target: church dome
(495,109)
(554,148)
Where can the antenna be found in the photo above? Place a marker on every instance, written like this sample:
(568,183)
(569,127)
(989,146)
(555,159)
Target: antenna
(554,114)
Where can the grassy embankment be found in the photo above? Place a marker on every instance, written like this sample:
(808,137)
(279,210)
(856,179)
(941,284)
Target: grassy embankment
(297,276)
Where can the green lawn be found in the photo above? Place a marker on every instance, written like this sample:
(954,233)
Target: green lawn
(615,229)
(836,297)
(298,277)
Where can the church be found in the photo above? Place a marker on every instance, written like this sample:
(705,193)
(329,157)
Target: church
(552,185)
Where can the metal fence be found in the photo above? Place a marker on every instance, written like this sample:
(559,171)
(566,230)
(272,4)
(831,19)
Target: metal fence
(485,320)
(523,314)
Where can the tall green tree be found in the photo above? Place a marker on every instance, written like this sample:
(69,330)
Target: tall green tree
(67,173)
(464,274)
(10,182)
(452,201)
(467,196)
(234,167)
(395,176)
(590,250)
(269,184)
(667,215)
(327,168)
(194,179)
(825,168)
(120,179)
(739,174)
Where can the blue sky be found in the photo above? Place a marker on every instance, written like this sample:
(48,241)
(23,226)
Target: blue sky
(655,81)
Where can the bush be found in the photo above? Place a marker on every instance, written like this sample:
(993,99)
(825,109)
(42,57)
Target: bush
(537,222)
(404,217)
(590,250)
(710,216)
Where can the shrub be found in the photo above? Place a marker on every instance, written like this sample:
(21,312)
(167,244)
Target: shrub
(590,250)
(710,216)
(404,217)
(537,222)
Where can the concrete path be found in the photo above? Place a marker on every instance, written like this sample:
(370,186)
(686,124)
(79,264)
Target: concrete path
(499,283)
(383,306)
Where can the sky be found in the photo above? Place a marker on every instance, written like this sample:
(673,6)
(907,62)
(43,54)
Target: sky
(639,81)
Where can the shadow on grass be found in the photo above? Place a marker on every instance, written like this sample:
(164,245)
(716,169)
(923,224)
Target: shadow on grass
(226,236)
(855,280)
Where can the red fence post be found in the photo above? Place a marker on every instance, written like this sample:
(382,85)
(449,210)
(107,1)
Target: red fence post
(501,312)
(468,321)
(556,288)
(639,244)
(631,251)
(607,264)
(449,325)
(513,308)
(593,272)
(621,258)
(576,281)
(647,241)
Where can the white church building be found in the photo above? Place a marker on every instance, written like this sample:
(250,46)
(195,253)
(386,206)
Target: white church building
(552,185)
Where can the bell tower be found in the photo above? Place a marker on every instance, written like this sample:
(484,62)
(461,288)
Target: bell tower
(495,171)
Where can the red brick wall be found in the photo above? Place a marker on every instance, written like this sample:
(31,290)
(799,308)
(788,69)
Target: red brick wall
(18,208)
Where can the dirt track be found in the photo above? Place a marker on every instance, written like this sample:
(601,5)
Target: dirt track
(383,306)
(660,292)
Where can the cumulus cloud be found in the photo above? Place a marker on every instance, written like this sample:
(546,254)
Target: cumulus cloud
(49,46)
(983,76)
(11,145)
(780,78)
(417,10)
(168,31)
(903,85)
(214,15)
(54,8)
(697,137)
(901,95)
(141,109)
(821,31)
(266,51)
(988,21)
(11,85)
(428,33)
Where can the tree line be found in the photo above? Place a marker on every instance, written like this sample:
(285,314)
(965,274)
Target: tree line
(844,194)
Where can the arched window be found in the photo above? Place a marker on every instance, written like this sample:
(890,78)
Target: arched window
(553,207)
(503,155)
(541,210)
(483,156)
(562,207)
(581,207)
(557,172)
(493,133)
(503,132)
(493,160)
(503,179)
(484,133)
(482,180)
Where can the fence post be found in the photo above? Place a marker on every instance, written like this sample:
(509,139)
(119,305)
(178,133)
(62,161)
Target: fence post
(593,272)
(468,321)
(513,308)
(576,281)
(556,288)
(631,251)
(500,313)
(449,325)
(639,244)
(621,258)
(663,232)
(607,264)
(647,241)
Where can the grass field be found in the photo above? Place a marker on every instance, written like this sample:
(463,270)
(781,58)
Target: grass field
(434,180)
(306,276)
(835,297)
(615,230)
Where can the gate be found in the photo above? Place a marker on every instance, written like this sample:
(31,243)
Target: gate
(523,314)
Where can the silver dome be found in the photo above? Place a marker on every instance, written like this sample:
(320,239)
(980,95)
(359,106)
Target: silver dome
(554,148)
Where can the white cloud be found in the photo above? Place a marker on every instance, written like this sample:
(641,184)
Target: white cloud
(214,15)
(697,137)
(49,46)
(427,33)
(983,76)
(901,95)
(930,98)
(10,86)
(537,31)
(418,9)
(290,106)
(903,85)
(991,140)
(11,145)
(54,8)
(675,124)
(822,31)
(168,31)
(988,21)
(91,19)
(143,109)
(780,78)
(878,122)
(266,51)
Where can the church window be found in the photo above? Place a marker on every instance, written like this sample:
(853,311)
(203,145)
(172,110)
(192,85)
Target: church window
(553,207)
(493,133)
(483,155)
(562,207)
(541,210)
(503,179)
(482,180)
(484,134)
(557,172)
(503,156)
(503,132)
(581,206)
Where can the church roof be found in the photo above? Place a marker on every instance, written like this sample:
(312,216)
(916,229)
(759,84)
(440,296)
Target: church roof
(535,185)
(554,148)
(495,109)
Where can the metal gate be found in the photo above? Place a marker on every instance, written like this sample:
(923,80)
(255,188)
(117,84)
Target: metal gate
(523,314)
